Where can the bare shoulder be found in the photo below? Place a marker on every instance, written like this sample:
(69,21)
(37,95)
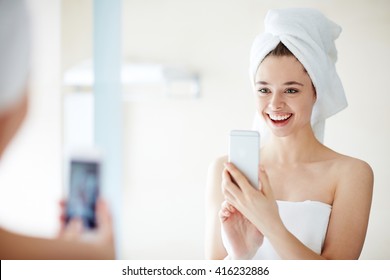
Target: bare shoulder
(216,166)
(353,168)
(352,173)
(214,179)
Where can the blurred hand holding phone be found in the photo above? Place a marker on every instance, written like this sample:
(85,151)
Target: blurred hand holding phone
(85,215)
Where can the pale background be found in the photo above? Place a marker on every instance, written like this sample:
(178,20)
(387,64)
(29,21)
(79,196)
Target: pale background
(169,143)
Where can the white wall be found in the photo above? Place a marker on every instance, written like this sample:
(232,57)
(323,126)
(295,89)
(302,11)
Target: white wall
(170,143)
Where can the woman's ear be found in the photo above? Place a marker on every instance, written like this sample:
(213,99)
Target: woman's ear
(314,92)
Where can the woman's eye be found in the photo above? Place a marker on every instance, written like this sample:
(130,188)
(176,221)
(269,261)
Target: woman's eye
(263,90)
(291,90)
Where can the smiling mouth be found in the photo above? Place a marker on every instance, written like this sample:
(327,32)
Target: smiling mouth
(279,119)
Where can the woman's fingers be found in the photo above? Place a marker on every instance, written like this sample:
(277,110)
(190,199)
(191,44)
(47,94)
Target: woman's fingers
(226,210)
(228,185)
(237,175)
(62,217)
(230,190)
(228,207)
(104,219)
(224,214)
(73,230)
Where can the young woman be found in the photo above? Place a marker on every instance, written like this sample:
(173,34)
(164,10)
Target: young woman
(71,243)
(313,203)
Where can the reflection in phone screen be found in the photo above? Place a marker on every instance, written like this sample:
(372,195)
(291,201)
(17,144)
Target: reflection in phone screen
(83,192)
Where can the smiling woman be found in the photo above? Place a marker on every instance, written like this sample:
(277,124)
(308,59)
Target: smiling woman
(285,94)
(308,206)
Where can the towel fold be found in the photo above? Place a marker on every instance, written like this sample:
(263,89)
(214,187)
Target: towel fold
(310,36)
(14,51)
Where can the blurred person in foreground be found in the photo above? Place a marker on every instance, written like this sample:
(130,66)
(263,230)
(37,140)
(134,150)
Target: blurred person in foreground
(73,242)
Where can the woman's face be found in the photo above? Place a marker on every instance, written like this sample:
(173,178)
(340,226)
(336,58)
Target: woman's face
(284,94)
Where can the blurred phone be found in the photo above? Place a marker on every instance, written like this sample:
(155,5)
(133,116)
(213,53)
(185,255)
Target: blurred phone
(84,180)
(244,153)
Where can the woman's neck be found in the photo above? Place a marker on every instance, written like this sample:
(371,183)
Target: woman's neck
(300,147)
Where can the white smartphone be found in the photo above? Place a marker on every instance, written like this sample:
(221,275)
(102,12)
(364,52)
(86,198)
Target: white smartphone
(244,153)
(83,182)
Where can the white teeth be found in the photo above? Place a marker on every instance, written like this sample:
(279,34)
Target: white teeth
(279,117)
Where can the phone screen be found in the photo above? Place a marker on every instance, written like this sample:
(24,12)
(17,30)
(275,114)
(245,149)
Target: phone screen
(83,191)
(244,153)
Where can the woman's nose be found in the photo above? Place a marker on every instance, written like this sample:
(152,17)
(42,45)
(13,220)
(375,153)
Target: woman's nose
(276,102)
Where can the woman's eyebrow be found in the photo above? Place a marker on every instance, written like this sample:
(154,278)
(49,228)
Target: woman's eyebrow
(261,83)
(289,83)
(293,83)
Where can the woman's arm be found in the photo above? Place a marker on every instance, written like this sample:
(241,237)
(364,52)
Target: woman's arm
(15,246)
(350,211)
(214,248)
(72,243)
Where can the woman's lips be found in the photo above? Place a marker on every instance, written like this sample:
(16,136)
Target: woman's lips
(280,119)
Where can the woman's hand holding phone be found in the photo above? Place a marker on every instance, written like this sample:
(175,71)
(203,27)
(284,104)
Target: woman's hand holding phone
(244,238)
(101,236)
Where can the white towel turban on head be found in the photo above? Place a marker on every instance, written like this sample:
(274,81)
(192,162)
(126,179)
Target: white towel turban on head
(14,51)
(310,36)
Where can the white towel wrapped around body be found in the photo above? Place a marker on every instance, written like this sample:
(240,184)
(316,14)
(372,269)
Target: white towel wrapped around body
(310,36)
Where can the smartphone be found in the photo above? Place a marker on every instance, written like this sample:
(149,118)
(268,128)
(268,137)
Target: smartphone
(244,153)
(83,180)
